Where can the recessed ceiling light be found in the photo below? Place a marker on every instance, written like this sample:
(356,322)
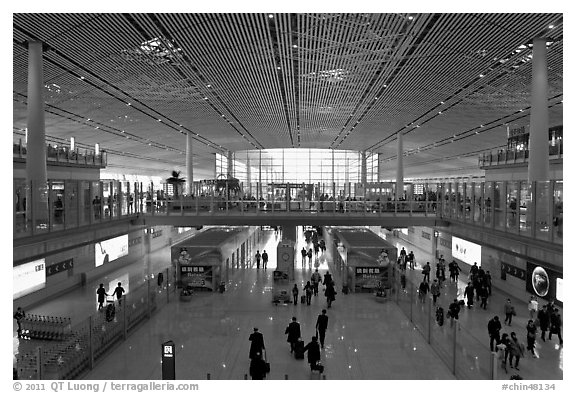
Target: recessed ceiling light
(481,75)
(410,17)
(270,16)
(278,67)
(551,26)
(294,46)
(440,112)
(208,85)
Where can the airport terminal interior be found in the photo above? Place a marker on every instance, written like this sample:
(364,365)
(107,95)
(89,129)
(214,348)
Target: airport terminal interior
(193,191)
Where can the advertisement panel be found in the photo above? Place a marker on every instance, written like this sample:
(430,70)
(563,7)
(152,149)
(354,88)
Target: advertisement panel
(370,277)
(543,282)
(466,251)
(28,278)
(196,276)
(110,250)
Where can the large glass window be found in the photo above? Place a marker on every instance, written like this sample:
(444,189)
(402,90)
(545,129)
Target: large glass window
(320,167)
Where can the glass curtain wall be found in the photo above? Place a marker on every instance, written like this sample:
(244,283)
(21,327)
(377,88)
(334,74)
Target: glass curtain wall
(320,169)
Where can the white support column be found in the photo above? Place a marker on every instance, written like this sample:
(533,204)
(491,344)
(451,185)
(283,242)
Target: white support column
(189,166)
(538,164)
(363,174)
(230,168)
(399,168)
(36,172)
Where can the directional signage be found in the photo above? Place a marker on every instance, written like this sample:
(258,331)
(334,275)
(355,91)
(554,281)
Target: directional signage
(59,267)
(168,360)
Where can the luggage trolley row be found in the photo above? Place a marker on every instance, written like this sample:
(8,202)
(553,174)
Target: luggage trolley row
(45,327)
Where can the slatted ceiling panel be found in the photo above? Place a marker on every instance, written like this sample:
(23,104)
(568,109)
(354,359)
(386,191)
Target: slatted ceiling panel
(263,101)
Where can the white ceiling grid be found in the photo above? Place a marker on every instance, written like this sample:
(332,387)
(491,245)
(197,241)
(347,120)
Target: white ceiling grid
(137,83)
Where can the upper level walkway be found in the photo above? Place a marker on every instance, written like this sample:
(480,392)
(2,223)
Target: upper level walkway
(518,208)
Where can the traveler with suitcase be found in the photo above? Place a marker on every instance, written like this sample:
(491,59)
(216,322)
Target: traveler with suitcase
(293,332)
(258,367)
(314,355)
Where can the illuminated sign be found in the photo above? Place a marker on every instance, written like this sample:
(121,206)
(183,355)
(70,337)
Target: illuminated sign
(466,251)
(546,282)
(109,250)
(560,289)
(28,278)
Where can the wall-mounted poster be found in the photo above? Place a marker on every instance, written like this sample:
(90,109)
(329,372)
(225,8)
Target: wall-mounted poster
(111,249)
(28,278)
(466,251)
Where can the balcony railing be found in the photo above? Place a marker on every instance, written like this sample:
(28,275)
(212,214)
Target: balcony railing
(63,154)
(506,157)
(533,210)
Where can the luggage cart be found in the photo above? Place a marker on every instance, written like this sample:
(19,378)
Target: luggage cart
(110,308)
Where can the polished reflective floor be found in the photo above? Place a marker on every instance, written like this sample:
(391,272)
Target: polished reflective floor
(365,339)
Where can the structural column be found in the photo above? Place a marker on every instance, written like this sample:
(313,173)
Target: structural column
(538,163)
(400,168)
(363,174)
(189,166)
(36,172)
(230,168)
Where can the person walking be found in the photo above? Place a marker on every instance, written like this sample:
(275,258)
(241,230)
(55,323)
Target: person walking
(327,278)
(494,327)
(435,290)
(531,337)
(488,282)
(556,325)
(330,293)
(19,315)
(304,253)
(426,271)
(293,332)
(422,291)
(101,292)
(313,352)
(258,367)
(256,344)
(257,257)
(509,311)
(411,260)
(516,350)
(454,271)
(483,291)
(316,279)
(322,326)
(504,350)
(308,290)
(264,259)
(310,257)
(543,321)
(532,306)
(453,311)
(295,293)
(119,291)
(469,293)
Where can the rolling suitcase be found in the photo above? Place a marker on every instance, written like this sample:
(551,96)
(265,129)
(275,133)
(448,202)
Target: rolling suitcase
(299,350)
(317,367)
(110,309)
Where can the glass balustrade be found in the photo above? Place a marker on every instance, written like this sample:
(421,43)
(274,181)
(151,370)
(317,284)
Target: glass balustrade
(528,209)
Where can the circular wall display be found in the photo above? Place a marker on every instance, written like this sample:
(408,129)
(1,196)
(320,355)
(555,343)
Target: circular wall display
(540,281)
(285,256)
